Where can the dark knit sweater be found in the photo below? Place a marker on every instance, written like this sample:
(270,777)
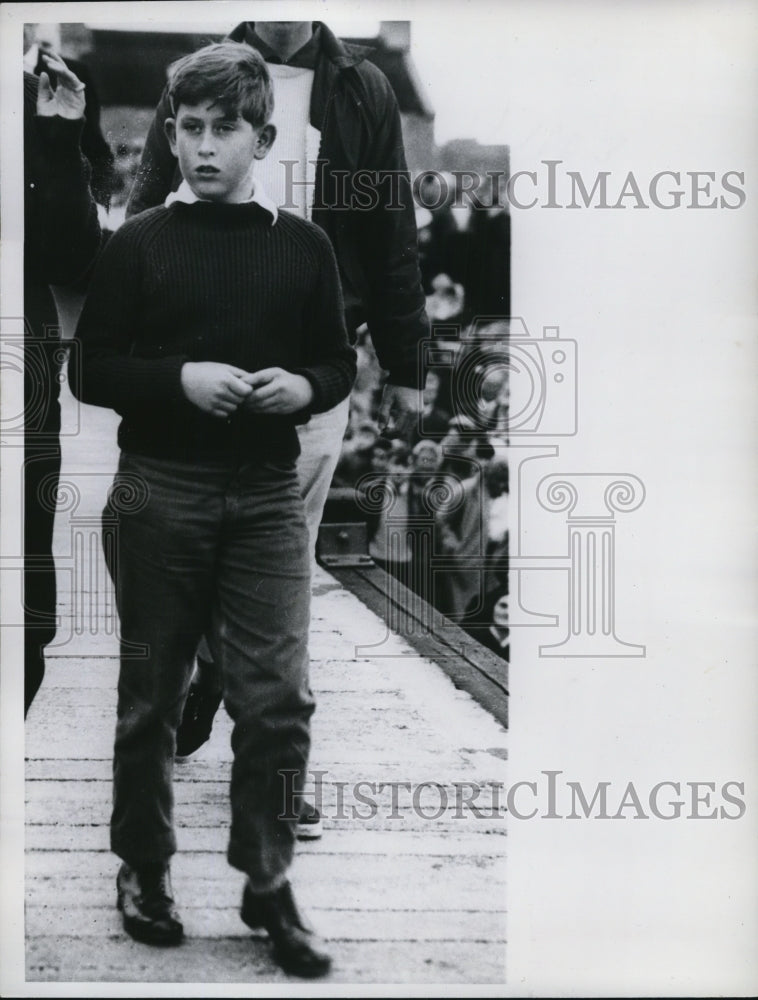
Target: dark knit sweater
(210,282)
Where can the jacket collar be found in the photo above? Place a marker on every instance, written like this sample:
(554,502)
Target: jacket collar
(187,196)
(342,56)
(306,57)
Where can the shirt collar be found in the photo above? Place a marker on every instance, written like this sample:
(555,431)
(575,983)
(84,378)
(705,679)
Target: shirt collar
(187,196)
(304,58)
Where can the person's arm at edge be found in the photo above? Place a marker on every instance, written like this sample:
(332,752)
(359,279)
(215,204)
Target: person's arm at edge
(66,232)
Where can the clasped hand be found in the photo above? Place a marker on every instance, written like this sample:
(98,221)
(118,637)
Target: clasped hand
(220,389)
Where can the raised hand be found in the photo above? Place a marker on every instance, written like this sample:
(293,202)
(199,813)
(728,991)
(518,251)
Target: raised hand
(67,100)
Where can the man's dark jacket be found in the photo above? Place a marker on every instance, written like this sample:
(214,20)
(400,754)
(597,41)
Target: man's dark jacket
(361,164)
(61,240)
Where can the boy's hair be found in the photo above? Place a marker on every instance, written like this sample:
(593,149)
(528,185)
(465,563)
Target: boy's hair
(230,74)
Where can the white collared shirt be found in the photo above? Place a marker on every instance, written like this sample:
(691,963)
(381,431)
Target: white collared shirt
(185,194)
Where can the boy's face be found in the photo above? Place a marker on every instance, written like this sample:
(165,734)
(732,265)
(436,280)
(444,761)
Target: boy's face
(216,152)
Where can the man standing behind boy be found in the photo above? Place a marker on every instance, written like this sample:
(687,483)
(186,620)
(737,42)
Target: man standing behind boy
(340,161)
(213,325)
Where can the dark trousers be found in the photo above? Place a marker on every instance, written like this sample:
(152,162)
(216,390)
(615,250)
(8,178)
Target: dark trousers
(42,463)
(221,550)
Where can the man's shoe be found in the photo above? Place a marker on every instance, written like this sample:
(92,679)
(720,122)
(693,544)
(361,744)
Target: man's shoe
(147,904)
(296,947)
(197,719)
(308,822)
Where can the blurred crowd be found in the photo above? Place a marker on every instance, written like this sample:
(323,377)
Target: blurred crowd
(434,497)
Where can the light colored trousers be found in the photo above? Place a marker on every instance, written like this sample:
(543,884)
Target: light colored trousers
(320,447)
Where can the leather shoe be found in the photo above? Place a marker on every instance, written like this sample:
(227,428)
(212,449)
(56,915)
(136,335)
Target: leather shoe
(296,947)
(197,719)
(146,902)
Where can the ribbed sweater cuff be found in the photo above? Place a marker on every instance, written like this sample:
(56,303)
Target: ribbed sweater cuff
(316,404)
(165,381)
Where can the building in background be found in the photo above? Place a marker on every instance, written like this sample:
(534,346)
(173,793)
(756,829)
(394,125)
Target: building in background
(391,52)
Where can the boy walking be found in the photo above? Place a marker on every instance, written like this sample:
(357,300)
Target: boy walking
(214,325)
(340,123)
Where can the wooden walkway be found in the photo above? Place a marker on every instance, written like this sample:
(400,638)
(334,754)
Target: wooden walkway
(407,887)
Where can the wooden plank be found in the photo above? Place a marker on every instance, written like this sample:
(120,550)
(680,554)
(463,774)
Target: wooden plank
(396,699)
(95,672)
(453,765)
(374,731)
(234,960)
(212,865)
(469,665)
(443,633)
(329,758)
(336,800)
(432,808)
(371,757)
(213,812)
(334,924)
(64,839)
(328,674)
(399,883)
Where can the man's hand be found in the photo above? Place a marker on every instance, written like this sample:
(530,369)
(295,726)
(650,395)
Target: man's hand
(275,390)
(67,100)
(214,388)
(400,408)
